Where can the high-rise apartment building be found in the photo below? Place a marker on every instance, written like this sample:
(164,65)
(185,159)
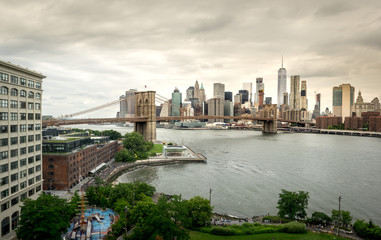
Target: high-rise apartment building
(285,98)
(20,138)
(228,110)
(316,112)
(237,98)
(219,90)
(127,104)
(196,92)
(295,93)
(303,96)
(176,102)
(343,100)
(248,86)
(282,84)
(260,87)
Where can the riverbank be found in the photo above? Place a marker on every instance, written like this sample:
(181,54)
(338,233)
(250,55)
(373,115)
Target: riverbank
(331,131)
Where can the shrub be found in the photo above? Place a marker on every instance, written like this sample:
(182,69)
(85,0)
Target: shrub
(222,231)
(367,230)
(294,227)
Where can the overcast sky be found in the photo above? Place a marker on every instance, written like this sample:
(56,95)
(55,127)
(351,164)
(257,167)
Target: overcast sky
(93,51)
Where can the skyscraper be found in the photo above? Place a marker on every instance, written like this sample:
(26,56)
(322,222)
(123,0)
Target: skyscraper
(219,90)
(20,130)
(190,93)
(202,96)
(215,108)
(343,100)
(285,98)
(176,102)
(229,96)
(303,96)
(282,84)
(295,93)
(196,93)
(245,96)
(249,87)
(260,86)
(316,112)
(268,100)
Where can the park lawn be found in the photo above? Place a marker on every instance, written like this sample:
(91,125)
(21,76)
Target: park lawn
(268,236)
(157,148)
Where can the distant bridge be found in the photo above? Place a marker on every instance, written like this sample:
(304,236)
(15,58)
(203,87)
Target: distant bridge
(145,117)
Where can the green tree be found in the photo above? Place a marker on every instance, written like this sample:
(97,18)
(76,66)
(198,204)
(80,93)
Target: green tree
(345,219)
(124,156)
(134,142)
(320,218)
(114,135)
(47,217)
(200,211)
(293,205)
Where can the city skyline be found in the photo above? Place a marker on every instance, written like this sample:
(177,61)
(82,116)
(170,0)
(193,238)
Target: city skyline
(92,55)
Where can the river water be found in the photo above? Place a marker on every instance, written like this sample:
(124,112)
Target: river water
(246,170)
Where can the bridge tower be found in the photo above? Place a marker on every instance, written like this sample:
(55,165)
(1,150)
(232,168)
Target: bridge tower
(270,111)
(145,107)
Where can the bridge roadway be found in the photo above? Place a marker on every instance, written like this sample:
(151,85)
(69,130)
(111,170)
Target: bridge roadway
(58,122)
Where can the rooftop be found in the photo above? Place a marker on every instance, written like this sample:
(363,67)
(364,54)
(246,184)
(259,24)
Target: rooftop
(22,69)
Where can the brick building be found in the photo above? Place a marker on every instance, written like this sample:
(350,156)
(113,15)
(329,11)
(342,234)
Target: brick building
(366,115)
(65,161)
(354,123)
(375,124)
(324,122)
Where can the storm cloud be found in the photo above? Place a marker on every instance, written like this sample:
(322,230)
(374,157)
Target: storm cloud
(93,51)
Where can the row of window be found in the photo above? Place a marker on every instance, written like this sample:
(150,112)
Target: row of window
(15,93)
(14,116)
(15,188)
(5,225)
(22,128)
(14,153)
(15,140)
(23,82)
(14,104)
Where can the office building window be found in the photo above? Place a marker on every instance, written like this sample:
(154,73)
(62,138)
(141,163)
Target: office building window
(30,138)
(23,81)
(22,174)
(14,80)
(3,116)
(30,105)
(14,140)
(22,139)
(3,129)
(30,116)
(30,181)
(14,92)
(30,127)
(4,90)
(22,162)
(23,185)
(4,206)
(4,77)
(30,149)
(14,152)
(38,115)
(14,201)
(22,105)
(31,95)
(23,196)
(3,103)
(30,83)
(4,180)
(30,160)
(38,137)
(31,192)
(22,151)
(5,193)
(38,85)
(38,188)
(38,178)
(14,177)
(38,127)
(38,106)
(3,142)
(38,147)
(4,155)
(14,165)
(22,116)
(38,168)
(15,220)
(13,116)
(22,93)
(22,127)
(38,157)
(14,128)
(14,189)
(38,95)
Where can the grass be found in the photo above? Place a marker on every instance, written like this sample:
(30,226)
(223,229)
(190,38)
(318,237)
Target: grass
(268,236)
(157,148)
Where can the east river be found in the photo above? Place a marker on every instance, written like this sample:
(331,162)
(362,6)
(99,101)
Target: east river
(247,170)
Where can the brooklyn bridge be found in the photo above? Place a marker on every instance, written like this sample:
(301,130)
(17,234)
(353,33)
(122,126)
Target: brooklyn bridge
(145,118)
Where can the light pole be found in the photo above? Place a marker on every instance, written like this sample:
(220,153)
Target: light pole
(126,209)
(338,227)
